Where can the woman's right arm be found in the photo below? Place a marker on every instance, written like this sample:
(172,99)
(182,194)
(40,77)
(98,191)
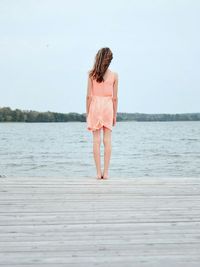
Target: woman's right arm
(115,96)
(88,95)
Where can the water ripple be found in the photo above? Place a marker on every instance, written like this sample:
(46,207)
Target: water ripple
(65,149)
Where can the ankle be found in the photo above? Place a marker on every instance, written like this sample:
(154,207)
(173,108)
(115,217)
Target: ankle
(105,173)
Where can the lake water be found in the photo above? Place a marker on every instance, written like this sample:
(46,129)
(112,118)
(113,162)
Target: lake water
(164,149)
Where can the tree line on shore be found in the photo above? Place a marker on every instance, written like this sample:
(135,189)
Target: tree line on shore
(17,115)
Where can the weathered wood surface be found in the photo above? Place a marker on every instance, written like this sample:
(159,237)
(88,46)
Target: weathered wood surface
(136,222)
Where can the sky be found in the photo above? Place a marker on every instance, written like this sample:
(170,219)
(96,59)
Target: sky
(48,46)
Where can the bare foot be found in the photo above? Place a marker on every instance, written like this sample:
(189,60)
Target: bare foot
(105,176)
(99,176)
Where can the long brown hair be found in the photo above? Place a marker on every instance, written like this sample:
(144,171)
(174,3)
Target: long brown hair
(102,62)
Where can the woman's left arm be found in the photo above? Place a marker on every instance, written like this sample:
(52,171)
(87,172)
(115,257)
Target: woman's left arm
(89,95)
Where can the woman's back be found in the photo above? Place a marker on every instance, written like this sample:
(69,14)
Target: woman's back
(105,88)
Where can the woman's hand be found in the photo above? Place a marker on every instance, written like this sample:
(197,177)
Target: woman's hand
(114,120)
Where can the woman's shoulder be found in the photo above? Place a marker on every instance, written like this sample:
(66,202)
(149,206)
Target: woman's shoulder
(89,75)
(115,74)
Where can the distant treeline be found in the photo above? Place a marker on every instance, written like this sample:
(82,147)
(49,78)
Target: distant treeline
(17,115)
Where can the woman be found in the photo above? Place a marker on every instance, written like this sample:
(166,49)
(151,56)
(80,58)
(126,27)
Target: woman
(101,107)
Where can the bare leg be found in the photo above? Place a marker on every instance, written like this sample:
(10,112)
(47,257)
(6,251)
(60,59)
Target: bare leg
(96,151)
(107,150)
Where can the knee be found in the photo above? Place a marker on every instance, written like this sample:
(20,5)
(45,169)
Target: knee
(97,142)
(107,142)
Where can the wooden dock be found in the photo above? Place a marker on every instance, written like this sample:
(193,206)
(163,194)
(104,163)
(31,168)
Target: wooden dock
(139,222)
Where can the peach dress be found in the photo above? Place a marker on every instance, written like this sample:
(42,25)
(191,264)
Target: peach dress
(101,106)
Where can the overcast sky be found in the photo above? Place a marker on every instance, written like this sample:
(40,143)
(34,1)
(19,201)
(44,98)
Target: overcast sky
(47,47)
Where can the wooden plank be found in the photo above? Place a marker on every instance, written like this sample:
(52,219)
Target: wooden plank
(147,221)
